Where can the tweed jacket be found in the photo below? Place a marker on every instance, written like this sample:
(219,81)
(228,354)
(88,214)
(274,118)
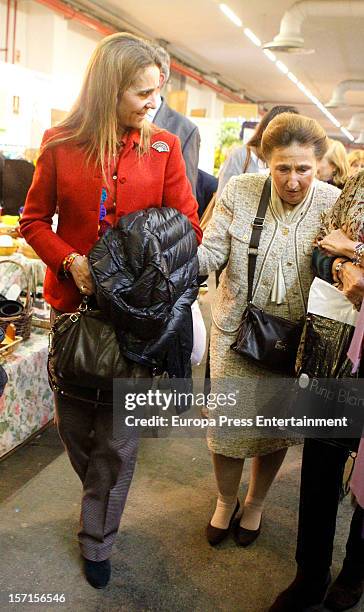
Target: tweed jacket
(189,136)
(226,241)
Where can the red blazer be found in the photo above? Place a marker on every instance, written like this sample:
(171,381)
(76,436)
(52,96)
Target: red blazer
(63,178)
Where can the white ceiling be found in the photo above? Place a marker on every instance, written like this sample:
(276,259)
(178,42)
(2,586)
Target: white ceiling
(199,32)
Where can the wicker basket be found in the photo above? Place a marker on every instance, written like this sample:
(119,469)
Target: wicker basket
(7,349)
(23,321)
(5,251)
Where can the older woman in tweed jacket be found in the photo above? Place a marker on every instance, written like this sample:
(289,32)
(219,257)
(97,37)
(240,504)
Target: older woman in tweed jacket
(291,144)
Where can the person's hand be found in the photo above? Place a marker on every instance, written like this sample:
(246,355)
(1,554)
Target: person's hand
(335,277)
(337,243)
(81,275)
(352,278)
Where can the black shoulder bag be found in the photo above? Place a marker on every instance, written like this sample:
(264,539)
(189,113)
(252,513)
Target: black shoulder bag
(84,356)
(269,340)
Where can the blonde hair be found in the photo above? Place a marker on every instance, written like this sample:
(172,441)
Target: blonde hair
(356,156)
(92,122)
(288,128)
(336,156)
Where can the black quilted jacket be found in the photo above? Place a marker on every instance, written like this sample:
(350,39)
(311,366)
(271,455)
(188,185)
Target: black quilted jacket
(145,271)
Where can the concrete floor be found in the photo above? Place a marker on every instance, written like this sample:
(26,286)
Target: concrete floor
(161,560)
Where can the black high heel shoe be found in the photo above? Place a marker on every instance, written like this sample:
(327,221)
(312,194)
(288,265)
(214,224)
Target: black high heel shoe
(245,537)
(215,535)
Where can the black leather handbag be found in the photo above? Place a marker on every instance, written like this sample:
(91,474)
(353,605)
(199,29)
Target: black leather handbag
(84,356)
(269,340)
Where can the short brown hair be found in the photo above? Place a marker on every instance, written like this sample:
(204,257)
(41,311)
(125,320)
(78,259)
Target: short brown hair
(288,128)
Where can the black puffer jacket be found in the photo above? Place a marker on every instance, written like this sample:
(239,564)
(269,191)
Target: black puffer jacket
(145,271)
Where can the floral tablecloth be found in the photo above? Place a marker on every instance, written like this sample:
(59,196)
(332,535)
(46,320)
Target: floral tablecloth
(27,402)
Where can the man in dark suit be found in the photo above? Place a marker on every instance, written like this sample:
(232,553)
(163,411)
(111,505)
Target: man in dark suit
(168,119)
(206,188)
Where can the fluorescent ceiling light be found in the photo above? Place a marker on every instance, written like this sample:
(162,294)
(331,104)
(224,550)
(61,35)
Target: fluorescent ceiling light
(282,67)
(347,134)
(231,15)
(292,77)
(301,87)
(253,37)
(332,118)
(269,55)
(321,106)
(315,101)
(311,97)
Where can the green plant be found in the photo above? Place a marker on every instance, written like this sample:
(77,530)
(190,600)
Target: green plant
(228,136)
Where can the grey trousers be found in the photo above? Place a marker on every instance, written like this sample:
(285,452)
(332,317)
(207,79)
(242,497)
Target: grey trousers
(105,466)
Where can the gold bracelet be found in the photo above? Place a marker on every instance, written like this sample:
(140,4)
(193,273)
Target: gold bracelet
(68,261)
(358,253)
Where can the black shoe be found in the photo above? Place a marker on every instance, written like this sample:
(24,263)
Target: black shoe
(97,572)
(245,537)
(302,593)
(215,535)
(345,592)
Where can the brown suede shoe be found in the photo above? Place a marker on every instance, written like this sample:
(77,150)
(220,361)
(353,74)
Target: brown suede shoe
(345,592)
(215,535)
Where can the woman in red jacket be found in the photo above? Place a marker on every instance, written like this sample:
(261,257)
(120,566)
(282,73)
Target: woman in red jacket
(103,161)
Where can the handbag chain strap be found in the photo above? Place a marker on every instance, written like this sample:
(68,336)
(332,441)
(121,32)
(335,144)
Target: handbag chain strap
(258,225)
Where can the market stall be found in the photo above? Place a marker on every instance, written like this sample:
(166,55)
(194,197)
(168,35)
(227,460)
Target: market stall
(27,401)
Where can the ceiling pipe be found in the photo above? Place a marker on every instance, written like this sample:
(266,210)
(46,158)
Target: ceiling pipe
(338,95)
(70,13)
(290,38)
(108,16)
(73,14)
(203,81)
(7,30)
(14,29)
